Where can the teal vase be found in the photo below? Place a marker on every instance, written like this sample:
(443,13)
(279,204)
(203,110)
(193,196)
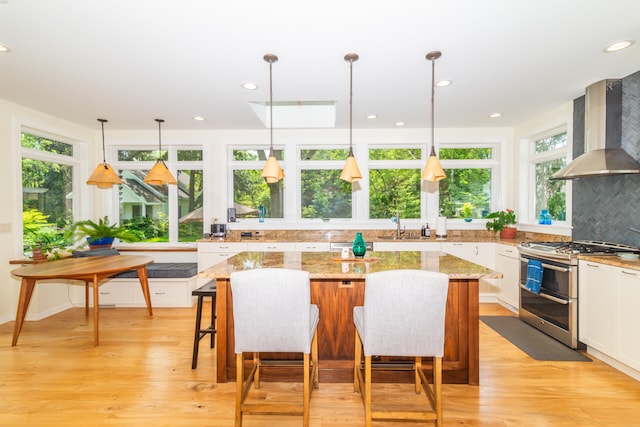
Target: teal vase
(359,246)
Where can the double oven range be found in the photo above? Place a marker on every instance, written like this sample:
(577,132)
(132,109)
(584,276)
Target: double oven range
(554,310)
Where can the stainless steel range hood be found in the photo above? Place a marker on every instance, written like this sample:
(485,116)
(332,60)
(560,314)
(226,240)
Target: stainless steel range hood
(603,153)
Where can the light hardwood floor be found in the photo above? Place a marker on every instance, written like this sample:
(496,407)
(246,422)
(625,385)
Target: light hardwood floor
(141,375)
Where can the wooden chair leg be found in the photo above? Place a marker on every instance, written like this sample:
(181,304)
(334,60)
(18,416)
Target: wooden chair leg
(306,391)
(239,388)
(367,392)
(417,367)
(256,364)
(437,383)
(314,360)
(356,363)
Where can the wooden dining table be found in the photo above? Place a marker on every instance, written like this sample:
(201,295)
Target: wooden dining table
(91,270)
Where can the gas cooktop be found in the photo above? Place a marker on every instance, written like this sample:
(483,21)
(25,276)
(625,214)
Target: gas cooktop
(570,250)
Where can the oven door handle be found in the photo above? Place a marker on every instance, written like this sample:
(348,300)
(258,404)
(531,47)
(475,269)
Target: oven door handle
(549,297)
(550,267)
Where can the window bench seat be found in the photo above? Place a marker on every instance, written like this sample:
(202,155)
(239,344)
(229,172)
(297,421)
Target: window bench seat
(170,285)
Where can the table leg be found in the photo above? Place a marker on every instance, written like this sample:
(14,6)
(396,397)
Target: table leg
(144,283)
(26,290)
(96,314)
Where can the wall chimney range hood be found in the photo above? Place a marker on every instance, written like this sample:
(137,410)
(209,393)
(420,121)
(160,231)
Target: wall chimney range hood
(603,153)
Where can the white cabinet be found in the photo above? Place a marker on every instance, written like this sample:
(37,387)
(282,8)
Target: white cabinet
(595,305)
(313,246)
(481,253)
(407,246)
(127,292)
(609,316)
(271,246)
(508,263)
(210,253)
(627,317)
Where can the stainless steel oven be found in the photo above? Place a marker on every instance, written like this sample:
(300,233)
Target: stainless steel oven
(554,310)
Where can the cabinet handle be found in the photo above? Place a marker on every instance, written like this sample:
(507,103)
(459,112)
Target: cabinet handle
(508,251)
(593,265)
(223,247)
(477,251)
(628,273)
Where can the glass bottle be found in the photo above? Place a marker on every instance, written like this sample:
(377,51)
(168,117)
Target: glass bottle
(359,246)
(260,213)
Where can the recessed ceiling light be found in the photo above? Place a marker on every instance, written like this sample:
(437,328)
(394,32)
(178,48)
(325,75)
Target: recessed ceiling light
(198,118)
(495,115)
(4,48)
(443,83)
(399,123)
(371,116)
(619,45)
(249,85)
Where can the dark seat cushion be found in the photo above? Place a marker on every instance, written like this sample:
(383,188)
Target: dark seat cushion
(164,270)
(95,252)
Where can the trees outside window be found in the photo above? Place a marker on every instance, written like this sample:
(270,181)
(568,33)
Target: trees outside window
(148,210)
(394,182)
(468,188)
(48,167)
(548,155)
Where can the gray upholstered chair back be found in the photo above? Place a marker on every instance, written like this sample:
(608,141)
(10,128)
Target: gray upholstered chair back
(403,313)
(272,310)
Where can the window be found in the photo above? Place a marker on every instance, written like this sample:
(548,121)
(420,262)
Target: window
(467,191)
(48,168)
(162,213)
(322,193)
(548,155)
(249,190)
(394,182)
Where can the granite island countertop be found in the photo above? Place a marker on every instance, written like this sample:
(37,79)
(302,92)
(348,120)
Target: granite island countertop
(330,265)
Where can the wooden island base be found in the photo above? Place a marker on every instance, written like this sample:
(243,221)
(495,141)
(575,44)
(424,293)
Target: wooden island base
(335,300)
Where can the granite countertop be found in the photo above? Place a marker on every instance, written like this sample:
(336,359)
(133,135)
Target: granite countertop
(613,260)
(329,265)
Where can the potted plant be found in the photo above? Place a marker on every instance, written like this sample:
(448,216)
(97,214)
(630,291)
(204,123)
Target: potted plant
(466,211)
(502,221)
(100,234)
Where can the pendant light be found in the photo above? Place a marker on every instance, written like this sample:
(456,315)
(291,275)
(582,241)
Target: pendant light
(272,171)
(159,173)
(351,172)
(433,170)
(104,176)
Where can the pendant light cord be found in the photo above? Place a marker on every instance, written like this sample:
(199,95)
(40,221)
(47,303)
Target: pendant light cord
(104,155)
(350,107)
(271,153)
(433,91)
(159,139)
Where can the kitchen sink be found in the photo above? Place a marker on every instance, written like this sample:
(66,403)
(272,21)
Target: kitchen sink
(399,238)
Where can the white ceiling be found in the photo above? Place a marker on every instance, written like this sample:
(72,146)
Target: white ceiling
(131,61)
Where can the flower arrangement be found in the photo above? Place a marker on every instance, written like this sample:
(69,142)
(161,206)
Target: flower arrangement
(501,219)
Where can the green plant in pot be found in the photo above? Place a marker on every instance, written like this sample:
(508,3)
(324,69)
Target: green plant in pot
(502,221)
(100,234)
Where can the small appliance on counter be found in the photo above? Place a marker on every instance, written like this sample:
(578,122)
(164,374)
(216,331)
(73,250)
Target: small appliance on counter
(218,230)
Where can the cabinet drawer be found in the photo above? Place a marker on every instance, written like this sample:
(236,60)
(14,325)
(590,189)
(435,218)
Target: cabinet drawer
(508,251)
(271,246)
(313,246)
(222,246)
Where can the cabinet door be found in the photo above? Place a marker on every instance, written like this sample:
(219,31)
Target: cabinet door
(313,246)
(595,305)
(508,286)
(627,317)
(407,246)
(271,246)
(480,253)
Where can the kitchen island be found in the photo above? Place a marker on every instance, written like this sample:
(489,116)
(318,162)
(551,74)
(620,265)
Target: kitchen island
(337,285)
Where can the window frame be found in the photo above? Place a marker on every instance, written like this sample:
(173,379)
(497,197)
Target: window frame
(533,159)
(173,164)
(493,164)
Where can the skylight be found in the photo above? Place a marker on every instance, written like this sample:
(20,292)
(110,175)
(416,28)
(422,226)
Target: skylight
(297,114)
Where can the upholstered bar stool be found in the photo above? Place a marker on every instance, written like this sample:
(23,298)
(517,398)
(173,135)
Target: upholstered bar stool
(403,315)
(272,312)
(206,291)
